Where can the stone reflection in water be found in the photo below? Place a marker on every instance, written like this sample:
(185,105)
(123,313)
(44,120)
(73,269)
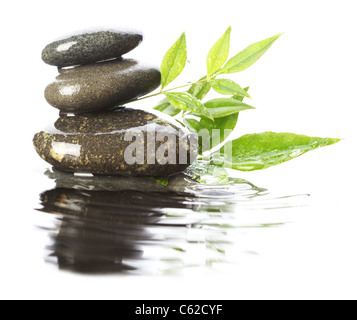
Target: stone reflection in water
(101,231)
(104,225)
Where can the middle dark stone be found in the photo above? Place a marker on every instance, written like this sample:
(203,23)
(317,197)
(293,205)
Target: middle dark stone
(101,86)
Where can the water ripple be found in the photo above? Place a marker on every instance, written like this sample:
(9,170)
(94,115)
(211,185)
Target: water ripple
(108,225)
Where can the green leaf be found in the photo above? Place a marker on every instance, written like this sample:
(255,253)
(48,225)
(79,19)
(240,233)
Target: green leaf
(204,172)
(188,102)
(218,54)
(218,130)
(200,90)
(248,56)
(238,97)
(228,87)
(226,125)
(225,102)
(163,181)
(193,125)
(227,111)
(174,61)
(262,150)
(223,107)
(164,106)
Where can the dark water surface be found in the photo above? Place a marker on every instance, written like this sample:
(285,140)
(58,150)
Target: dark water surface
(136,226)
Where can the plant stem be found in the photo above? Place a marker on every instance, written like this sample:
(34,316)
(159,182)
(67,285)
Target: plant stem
(180,87)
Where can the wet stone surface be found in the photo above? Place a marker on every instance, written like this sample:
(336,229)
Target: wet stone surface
(123,142)
(178,183)
(90,47)
(101,86)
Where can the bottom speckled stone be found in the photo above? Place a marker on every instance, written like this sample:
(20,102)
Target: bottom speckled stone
(122,142)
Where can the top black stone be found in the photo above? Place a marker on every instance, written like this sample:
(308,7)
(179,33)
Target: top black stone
(90,48)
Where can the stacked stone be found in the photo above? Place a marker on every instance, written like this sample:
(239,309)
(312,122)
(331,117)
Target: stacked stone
(90,134)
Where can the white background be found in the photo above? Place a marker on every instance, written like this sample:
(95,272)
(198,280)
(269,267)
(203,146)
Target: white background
(306,83)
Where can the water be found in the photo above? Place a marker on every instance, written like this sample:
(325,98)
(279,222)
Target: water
(285,232)
(114,225)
